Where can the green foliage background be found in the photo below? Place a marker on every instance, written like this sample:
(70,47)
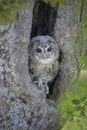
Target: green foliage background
(74,106)
(54,3)
(8,10)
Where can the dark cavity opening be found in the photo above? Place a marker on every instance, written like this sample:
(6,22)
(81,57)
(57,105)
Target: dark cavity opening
(43,22)
(44,19)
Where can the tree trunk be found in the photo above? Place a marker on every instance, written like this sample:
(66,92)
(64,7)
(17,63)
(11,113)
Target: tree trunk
(22,105)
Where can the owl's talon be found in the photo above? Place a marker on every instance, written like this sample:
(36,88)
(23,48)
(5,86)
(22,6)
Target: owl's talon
(40,84)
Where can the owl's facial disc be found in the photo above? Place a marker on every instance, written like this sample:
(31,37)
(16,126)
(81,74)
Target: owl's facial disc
(44,52)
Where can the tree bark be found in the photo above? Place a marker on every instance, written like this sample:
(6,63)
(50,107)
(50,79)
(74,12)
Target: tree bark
(22,105)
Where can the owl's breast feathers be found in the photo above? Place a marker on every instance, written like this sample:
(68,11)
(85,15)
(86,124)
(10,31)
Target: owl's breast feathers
(46,71)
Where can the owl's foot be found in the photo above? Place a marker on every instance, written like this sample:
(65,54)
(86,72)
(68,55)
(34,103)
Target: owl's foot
(42,85)
(39,84)
(46,88)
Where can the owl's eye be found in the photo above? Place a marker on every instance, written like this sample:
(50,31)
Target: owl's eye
(38,50)
(49,49)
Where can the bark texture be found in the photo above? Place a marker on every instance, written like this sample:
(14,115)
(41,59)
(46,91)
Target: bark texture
(22,105)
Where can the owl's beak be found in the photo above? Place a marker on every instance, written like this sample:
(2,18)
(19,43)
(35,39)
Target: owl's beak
(44,56)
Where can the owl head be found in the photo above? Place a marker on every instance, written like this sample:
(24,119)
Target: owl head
(43,49)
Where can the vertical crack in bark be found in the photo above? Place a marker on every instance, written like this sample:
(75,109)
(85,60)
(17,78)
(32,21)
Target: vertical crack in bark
(81,12)
(43,23)
(44,19)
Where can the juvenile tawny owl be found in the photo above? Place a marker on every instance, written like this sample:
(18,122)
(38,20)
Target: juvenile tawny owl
(43,60)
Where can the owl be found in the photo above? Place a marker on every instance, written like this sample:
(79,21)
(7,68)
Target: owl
(43,61)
